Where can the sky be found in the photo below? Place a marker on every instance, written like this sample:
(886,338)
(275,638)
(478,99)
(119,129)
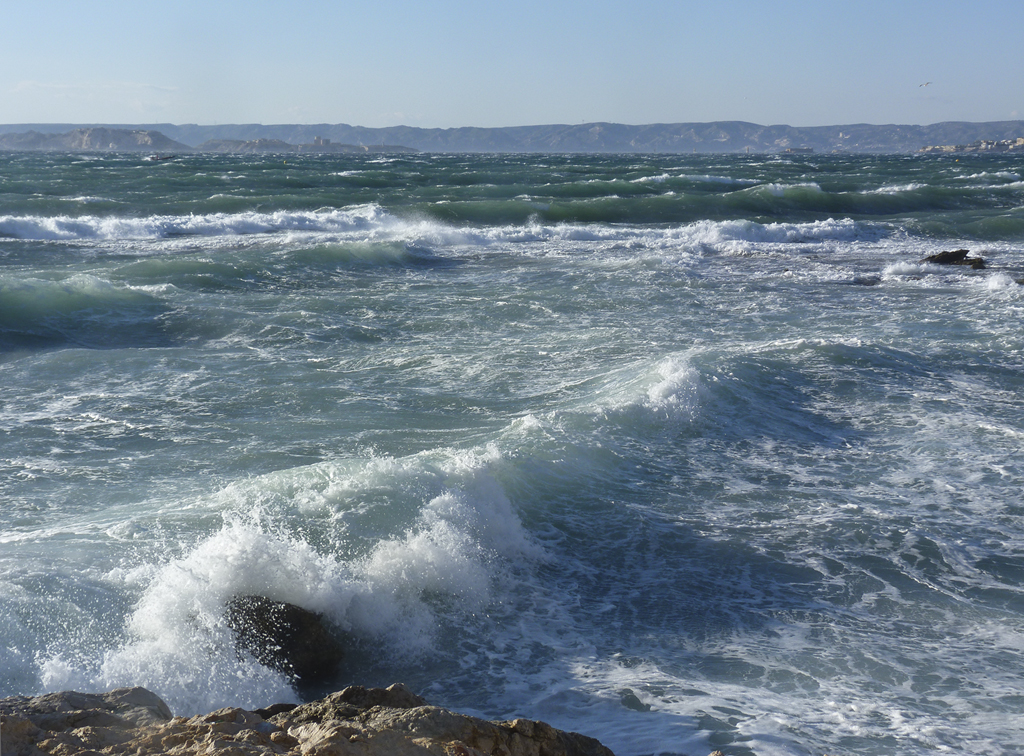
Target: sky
(490,63)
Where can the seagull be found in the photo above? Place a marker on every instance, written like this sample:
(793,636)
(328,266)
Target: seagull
(924,85)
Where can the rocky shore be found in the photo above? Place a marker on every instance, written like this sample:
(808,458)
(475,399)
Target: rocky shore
(356,721)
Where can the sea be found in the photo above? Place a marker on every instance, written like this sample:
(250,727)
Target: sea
(681,452)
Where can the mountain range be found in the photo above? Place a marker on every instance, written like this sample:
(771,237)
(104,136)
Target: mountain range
(717,136)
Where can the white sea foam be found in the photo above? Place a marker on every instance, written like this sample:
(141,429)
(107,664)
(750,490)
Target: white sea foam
(1006,175)
(677,241)
(89,199)
(646,392)
(1001,281)
(659,179)
(678,387)
(782,190)
(896,189)
(449,544)
(711,179)
(905,269)
(729,232)
(372,223)
(88,227)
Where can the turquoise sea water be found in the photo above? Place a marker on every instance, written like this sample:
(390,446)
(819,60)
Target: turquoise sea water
(681,452)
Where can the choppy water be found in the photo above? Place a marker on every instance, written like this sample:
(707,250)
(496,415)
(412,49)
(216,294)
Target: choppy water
(681,452)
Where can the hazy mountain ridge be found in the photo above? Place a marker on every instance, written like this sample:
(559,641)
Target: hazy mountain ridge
(717,136)
(92,139)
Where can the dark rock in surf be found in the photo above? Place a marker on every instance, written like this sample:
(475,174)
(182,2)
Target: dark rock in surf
(274,709)
(630,701)
(285,637)
(956,257)
(953,257)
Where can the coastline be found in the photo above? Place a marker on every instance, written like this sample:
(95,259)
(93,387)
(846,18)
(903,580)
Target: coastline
(356,720)
(662,138)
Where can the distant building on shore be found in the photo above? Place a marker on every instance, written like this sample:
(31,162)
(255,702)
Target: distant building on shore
(981,145)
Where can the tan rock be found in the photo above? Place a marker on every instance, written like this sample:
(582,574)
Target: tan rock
(353,722)
(283,739)
(18,735)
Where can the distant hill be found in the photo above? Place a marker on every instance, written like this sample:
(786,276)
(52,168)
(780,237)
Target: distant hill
(719,136)
(250,146)
(114,139)
(94,139)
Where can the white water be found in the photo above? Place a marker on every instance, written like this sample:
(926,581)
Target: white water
(759,475)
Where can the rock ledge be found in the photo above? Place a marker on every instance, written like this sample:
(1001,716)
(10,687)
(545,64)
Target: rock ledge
(355,721)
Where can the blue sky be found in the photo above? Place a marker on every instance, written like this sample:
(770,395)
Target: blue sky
(449,63)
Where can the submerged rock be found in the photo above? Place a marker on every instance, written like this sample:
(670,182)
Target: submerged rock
(285,637)
(956,257)
(357,721)
(631,701)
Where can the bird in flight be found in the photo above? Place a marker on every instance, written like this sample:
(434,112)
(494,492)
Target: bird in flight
(925,84)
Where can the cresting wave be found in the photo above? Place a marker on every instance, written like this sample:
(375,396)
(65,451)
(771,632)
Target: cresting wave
(395,552)
(89,227)
(312,537)
(282,249)
(374,223)
(81,309)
